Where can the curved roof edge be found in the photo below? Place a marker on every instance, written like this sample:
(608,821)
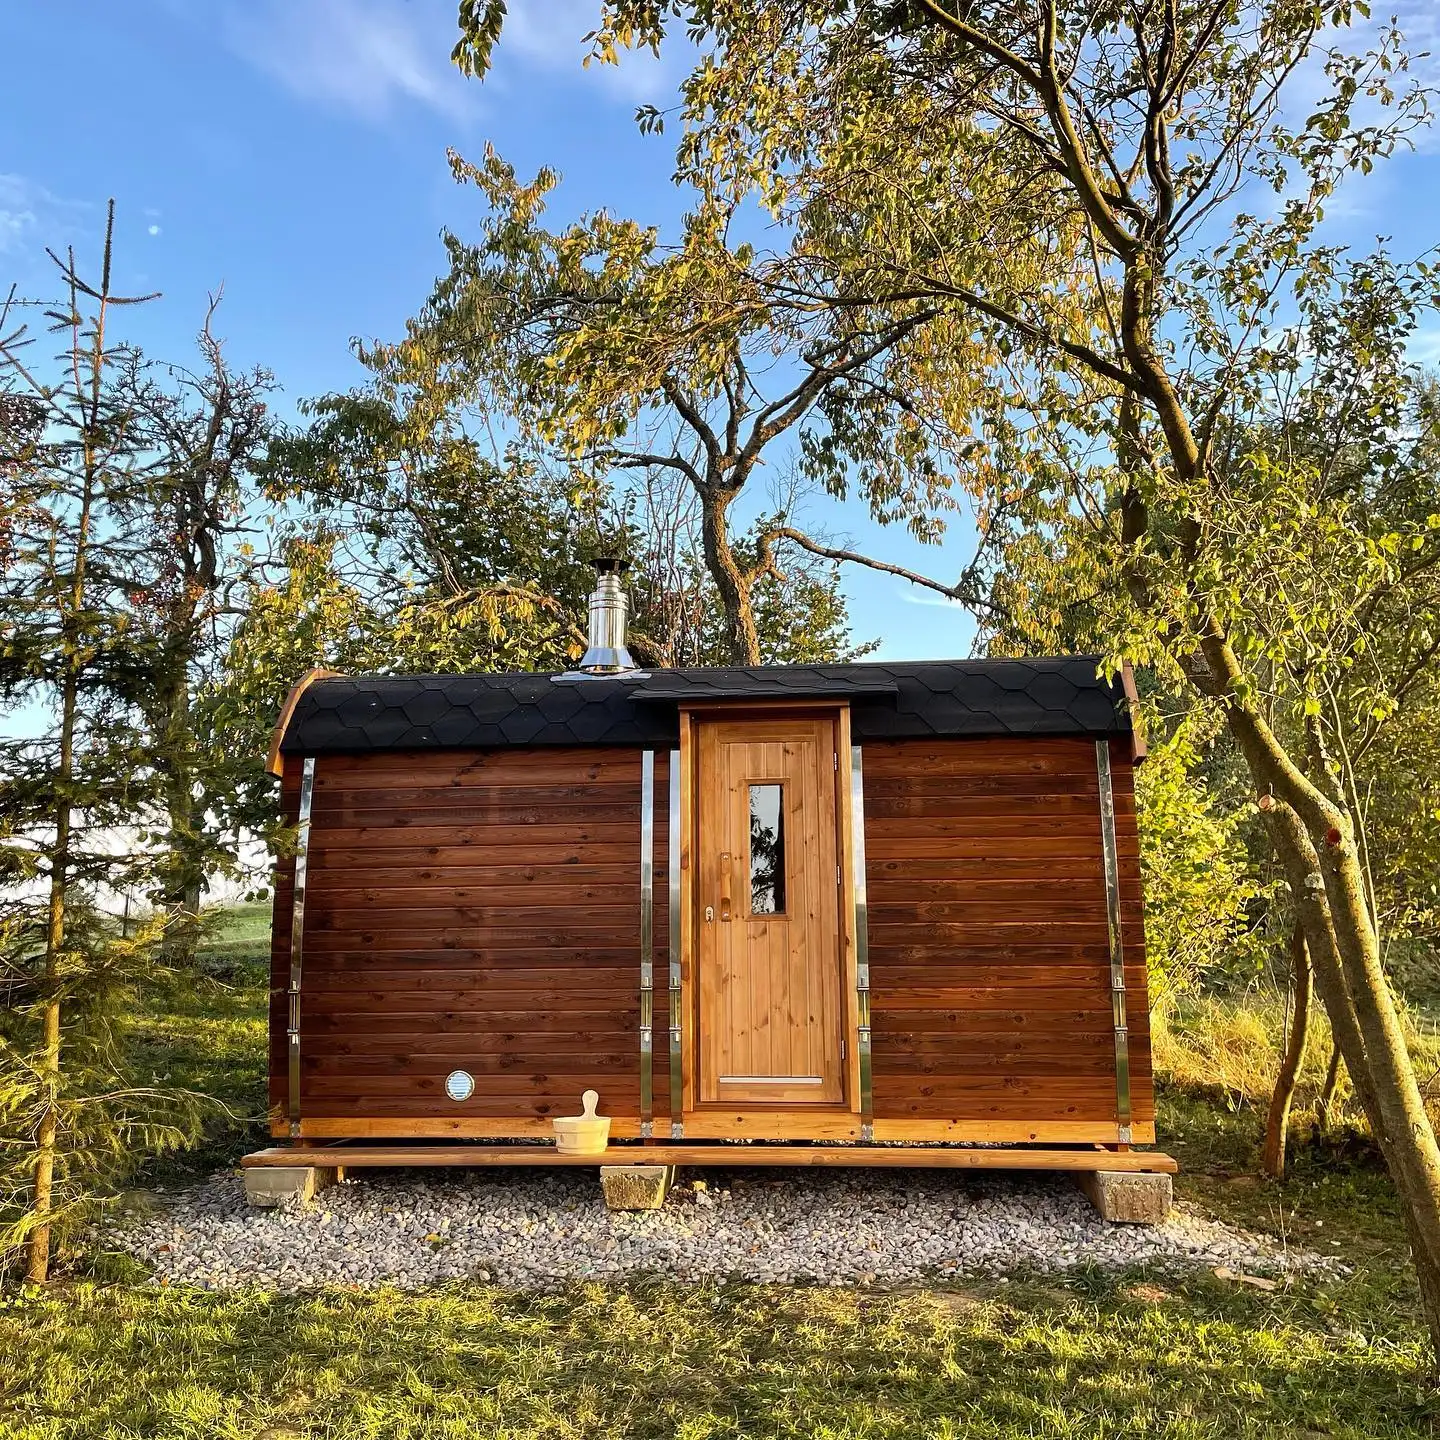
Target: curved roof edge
(275,761)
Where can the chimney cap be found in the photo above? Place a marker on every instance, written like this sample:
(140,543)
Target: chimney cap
(609,606)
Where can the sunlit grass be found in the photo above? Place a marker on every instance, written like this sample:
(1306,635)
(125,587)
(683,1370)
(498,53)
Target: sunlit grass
(205,1030)
(1106,1357)
(1230,1046)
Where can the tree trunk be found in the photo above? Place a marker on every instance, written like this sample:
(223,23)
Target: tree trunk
(1314,834)
(47,1135)
(180,896)
(1277,1122)
(71,605)
(733,584)
(1326,1097)
(1367,1031)
(1314,831)
(47,1129)
(181,879)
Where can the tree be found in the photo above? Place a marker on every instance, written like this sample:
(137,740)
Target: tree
(72,461)
(190,558)
(1254,579)
(611,351)
(400,483)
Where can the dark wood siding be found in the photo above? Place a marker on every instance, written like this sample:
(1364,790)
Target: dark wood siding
(476,911)
(989,947)
(481,911)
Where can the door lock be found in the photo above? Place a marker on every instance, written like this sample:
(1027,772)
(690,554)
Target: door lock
(709,913)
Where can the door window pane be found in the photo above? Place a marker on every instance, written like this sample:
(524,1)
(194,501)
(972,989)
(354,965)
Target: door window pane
(767,850)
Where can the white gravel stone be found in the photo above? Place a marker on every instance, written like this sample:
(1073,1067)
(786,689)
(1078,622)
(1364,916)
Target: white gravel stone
(537,1229)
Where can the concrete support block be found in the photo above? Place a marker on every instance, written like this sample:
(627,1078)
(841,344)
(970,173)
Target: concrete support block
(275,1184)
(635,1187)
(1128,1197)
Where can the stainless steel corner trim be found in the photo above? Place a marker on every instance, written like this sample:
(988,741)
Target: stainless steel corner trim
(297,939)
(1110,850)
(672,875)
(862,944)
(647,939)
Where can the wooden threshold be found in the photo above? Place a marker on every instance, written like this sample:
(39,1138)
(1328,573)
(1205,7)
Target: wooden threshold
(860,1156)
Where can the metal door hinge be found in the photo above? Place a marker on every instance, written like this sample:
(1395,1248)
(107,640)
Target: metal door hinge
(838,880)
(843,1051)
(835,756)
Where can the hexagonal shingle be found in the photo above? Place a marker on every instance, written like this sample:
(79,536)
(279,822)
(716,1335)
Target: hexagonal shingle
(427,706)
(1011,674)
(1051,691)
(489,704)
(522,724)
(453,728)
(938,679)
(360,708)
(560,703)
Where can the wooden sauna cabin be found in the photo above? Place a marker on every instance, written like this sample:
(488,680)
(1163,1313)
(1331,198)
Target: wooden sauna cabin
(858,903)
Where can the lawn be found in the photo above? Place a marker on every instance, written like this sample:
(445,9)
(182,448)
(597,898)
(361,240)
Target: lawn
(1097,1356)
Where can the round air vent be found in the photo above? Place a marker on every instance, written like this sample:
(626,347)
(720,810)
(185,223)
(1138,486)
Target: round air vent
(459,1085)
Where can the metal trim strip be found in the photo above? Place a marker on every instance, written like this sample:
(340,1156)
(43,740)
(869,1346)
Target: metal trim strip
(1110,850)
(647,941)
(297,940)
(862,944)
(677,1126)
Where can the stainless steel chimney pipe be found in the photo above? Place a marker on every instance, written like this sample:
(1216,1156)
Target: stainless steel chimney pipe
(609,610)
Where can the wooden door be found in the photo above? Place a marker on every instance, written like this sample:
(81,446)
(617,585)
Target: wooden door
(768,912)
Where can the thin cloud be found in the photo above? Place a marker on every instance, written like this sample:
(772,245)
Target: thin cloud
(18,220)
(550,37)
(362,56)
(914,595)
(32,217)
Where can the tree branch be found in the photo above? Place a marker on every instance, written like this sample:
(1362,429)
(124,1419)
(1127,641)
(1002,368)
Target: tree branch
(959,592)
(689,412)
(999,53)
(780,414)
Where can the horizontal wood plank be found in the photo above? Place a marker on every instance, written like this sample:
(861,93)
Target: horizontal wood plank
(718,1154)
(410,849)
(498,1067)
(1022,867)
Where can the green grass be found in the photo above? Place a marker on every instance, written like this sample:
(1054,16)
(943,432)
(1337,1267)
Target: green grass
(1098,1355)
(206,1031)
(1107,1358)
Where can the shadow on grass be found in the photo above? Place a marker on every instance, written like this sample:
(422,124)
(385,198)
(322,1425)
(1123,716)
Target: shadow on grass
(702,1361)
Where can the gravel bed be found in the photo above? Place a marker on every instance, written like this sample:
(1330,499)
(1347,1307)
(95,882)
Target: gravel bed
(537,1230)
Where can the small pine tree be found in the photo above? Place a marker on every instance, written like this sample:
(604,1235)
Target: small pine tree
(73,787)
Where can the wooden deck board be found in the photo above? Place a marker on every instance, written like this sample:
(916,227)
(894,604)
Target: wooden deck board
(860,1156)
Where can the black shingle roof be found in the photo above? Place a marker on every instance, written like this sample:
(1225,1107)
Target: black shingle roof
(965,698)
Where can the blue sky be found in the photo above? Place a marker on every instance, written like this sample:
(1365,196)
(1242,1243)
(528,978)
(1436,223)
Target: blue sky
(293,151)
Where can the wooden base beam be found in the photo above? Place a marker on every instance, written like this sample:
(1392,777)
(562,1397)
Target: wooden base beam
(1079,1158)
(721,1124)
